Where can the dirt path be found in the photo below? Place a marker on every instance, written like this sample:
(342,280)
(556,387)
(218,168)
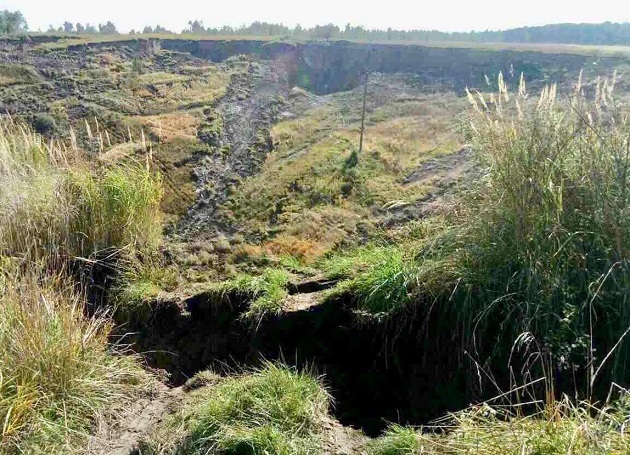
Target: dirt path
(249,108)
(135,423)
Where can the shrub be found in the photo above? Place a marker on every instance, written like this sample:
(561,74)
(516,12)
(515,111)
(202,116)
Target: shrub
(44,124)
(274,410)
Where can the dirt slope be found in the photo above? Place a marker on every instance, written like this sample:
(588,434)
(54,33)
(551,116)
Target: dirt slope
(247,111)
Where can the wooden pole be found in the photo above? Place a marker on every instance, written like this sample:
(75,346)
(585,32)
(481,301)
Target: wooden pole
(363,113)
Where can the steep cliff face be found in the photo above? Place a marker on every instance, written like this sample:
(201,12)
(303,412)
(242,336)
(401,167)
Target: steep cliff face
(328,67)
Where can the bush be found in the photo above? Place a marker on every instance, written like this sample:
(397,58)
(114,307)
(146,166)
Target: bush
(44,124)
(274,410)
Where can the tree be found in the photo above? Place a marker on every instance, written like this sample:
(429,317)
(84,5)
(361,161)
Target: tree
(12,22)
(325,31)
(107,29)
(147,30)
(90,29)
(163,30)
(196,27)
(68,27)
(79,28)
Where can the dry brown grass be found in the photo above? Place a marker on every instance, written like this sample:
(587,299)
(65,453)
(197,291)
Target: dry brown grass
(166,127)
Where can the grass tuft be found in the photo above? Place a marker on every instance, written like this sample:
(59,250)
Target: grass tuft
(397,440)
(272,410)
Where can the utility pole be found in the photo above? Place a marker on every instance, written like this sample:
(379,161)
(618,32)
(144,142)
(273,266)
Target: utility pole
(363,112)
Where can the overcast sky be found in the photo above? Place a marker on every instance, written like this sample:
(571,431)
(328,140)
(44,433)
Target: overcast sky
(447,15)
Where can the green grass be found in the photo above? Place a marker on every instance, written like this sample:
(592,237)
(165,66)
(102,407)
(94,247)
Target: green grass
(376,278)
(57,373)
(397,440)
(349,263)
(264,292)
(270,291)
(274,410)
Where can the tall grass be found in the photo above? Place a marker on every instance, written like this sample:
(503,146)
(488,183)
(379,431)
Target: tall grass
(57,373)
(54,202)
(540,244)
(560,429)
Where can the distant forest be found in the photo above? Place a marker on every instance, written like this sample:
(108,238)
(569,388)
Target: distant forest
(606,33)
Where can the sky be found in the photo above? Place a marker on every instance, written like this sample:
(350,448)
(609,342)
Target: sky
(445,15)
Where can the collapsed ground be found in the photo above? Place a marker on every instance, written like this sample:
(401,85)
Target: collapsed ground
(272,220)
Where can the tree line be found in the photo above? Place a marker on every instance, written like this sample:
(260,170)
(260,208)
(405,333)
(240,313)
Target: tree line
(604,33)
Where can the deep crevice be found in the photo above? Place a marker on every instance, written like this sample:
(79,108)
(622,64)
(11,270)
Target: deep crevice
(377,372)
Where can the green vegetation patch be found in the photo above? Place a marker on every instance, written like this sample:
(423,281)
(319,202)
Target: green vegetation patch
(274,410)
(378,279)
(397,440)
(486,430)
(315,193)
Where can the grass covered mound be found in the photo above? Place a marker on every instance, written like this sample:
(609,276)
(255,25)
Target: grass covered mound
(274,410)
(561,428)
